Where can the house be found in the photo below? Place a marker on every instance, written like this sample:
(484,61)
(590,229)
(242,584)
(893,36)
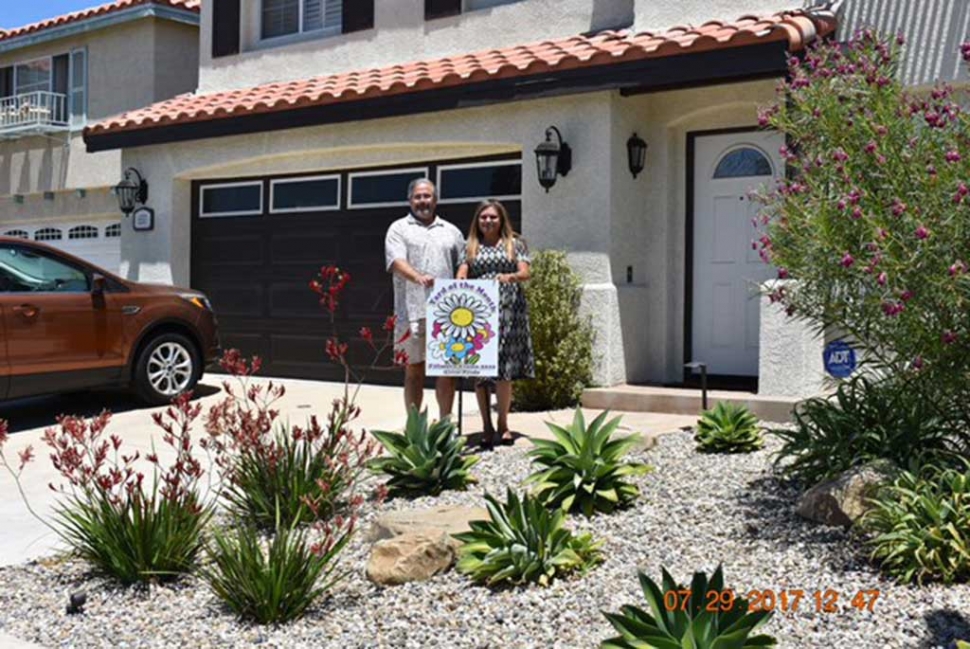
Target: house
(55,77)
(312,116)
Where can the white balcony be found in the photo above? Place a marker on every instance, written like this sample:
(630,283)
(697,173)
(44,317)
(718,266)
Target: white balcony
(32,113)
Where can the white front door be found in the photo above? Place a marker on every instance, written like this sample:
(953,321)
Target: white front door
(726,271)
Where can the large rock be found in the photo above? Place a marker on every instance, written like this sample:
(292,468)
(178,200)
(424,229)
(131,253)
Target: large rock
(450,520)
(415,556)
(843,501)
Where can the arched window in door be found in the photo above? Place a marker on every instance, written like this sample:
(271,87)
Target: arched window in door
(743,162)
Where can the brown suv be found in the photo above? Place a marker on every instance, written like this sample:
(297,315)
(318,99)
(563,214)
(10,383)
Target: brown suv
(67,325)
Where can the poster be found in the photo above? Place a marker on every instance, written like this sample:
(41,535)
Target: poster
(462,328)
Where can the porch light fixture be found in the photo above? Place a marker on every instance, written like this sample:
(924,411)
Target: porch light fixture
(131,191)
(553,158)
(636,154)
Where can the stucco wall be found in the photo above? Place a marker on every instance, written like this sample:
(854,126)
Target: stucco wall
(176,64)
(400,34)
(652,15)
(66,206)
(790,362)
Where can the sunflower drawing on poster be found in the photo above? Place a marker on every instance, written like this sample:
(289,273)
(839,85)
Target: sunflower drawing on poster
(463,328)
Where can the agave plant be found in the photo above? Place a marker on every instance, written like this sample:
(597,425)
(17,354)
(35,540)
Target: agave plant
(693,625)
(523,542)
(728,428)
(582,468)
(424,460)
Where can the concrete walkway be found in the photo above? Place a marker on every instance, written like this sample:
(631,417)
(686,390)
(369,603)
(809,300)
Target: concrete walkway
(22,537)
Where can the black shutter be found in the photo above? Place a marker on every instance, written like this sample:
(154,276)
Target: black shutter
(225,28)
(6,81)
(441,8)
(357,15)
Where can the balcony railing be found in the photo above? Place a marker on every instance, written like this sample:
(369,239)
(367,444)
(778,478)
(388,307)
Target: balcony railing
(33,112)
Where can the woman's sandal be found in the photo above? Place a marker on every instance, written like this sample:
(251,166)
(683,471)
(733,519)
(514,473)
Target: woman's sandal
(488,440)
(507,438)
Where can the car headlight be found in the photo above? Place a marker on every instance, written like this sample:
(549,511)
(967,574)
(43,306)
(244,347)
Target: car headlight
(198,300)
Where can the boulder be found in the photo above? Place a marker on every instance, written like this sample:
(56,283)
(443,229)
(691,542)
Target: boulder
(450,520)
(414,556)
(843,500)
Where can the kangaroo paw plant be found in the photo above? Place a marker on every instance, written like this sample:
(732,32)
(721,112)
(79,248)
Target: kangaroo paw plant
(728,428)
(582,469)
(680,617)
(523,542)
(424,460)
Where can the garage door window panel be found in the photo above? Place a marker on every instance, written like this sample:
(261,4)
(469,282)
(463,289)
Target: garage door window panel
(20,234)
(231,199)
(83,232)
(310,194)
(480,181)
(48,234)
(382,188)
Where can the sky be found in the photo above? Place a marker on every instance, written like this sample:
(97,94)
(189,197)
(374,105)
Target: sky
(15,13)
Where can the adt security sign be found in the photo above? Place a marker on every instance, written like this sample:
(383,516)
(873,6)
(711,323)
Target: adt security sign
(839,359)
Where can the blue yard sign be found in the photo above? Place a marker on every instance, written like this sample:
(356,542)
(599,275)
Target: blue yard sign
(839,359)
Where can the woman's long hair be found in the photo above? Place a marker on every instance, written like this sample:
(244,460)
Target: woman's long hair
(506,233)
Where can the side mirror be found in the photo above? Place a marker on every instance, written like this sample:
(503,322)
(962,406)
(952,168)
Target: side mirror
(97,284)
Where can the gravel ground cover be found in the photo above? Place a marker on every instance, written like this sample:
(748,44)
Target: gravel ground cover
(696,511)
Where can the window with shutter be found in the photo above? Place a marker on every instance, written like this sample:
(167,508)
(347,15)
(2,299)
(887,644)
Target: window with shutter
(280,18)
(225,27)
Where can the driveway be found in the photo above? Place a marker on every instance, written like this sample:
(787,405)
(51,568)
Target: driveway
(23,537)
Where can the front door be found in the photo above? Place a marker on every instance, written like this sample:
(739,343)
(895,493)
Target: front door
(725,313)
(59,336)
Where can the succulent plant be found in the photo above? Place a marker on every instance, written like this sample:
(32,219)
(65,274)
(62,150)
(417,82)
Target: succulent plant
(692,624)
(582,468)
(523,542)
(921,526)
(728,428)
(424,460)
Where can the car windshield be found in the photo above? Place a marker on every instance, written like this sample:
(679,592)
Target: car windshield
(23,270)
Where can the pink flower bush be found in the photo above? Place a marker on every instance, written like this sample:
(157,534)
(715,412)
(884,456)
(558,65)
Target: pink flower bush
(882,176)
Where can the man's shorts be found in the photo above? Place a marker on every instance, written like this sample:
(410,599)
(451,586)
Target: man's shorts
(415,344)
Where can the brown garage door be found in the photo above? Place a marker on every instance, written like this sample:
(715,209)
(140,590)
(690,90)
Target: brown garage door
(257,243)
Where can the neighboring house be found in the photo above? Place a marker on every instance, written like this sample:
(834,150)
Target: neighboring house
(62,73)
(312,116)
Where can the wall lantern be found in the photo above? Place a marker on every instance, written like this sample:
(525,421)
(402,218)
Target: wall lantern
(553,158)
(636,154)
(132,190)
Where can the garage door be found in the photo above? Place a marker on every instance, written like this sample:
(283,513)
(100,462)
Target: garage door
(257,243)
(98,242)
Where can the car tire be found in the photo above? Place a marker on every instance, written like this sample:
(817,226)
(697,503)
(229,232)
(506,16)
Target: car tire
(167,366)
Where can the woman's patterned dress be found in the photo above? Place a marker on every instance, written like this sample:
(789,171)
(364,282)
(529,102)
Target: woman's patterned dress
(515,359)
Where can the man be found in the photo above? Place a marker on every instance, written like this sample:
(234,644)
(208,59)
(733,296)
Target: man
(418,249)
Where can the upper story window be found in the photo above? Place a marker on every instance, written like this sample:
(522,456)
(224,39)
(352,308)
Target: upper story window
(46,92)
(287,17)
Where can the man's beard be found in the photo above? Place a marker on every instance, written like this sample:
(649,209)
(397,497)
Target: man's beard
(423,213)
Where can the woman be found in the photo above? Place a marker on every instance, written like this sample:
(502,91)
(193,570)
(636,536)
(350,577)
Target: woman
(494,252)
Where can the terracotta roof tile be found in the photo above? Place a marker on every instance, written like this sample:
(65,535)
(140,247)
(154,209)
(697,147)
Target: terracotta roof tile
(796,27)
(84,14)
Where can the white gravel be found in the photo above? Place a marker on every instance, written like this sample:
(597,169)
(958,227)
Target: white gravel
(696,511)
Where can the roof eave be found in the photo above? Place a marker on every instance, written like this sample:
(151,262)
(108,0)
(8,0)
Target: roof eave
(751,62)
(112,19)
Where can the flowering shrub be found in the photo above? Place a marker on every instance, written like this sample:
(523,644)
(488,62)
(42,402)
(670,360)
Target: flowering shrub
(274,472)
(870,223)
(107,515)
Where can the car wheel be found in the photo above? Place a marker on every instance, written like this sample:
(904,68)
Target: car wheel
(167,366)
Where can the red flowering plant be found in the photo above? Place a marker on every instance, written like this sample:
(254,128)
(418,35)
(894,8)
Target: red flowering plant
(107,514)
(868,230)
